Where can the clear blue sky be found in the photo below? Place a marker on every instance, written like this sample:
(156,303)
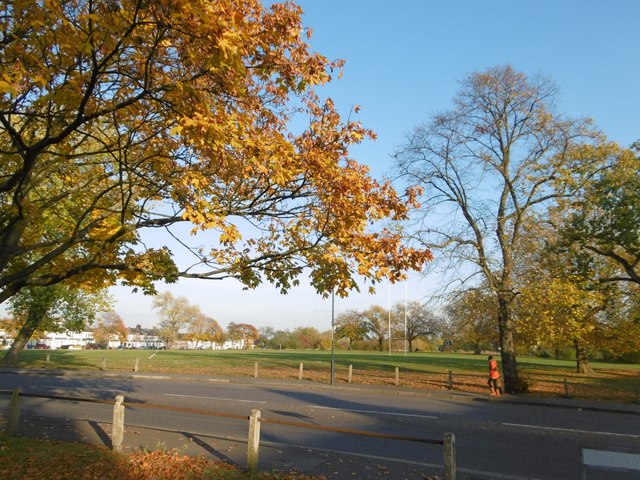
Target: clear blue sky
(404,62)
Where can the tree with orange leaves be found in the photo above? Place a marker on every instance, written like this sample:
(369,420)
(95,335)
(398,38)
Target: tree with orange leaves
(123,116)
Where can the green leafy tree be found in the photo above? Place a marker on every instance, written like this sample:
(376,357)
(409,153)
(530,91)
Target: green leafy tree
(350,325)
(604,219)
(53,308)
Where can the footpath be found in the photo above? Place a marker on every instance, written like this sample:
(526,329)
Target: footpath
(273,456)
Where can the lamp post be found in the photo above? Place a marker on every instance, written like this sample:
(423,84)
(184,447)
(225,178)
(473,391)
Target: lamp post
(332,329)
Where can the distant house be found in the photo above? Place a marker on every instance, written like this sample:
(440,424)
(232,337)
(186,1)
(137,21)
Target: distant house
(65,339)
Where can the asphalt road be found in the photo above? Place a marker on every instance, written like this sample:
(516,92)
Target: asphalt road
(495,438)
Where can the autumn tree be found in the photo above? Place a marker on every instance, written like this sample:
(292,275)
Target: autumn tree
(110,325)
(202,328)
(471,320)
(350,325)
(413,320)
(118,117)
(485,165)
(176,313)
(53,308)
(242,332)
(563,300)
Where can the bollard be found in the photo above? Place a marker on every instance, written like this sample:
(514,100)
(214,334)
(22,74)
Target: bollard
(14,412)
(397,376)
(253,444)
(301,371)
(566,388)
(255,370)
(47,359)
(350,373)
(104,364)
(136,365)
(449,456)
(450,380)
(117,427)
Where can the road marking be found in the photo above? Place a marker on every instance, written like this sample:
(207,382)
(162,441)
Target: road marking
(608,459)
(571,430)
(373,411)
(212,398)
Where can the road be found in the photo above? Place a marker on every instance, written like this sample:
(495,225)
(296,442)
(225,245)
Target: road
(495,438)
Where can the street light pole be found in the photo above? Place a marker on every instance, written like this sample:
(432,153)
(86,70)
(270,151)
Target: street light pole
(332,329)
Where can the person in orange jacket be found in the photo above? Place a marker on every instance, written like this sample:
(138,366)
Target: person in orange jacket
(494,375)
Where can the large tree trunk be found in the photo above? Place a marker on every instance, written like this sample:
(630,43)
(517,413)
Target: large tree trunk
(380,344)
(507,346)
(582,361)
(12,356)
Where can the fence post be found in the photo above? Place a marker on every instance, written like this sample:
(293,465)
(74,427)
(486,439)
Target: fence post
(136,365)
(566,388)
(397,376)
(301,371)
(14,412)
(255,370)
(104,364)
(449,456)
(350,373)
(47,359)
(450,380)
(117,427)
(253,444)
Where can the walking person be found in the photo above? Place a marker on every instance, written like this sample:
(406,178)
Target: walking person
(494,375)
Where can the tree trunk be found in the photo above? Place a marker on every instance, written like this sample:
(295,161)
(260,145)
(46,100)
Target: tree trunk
(477,349)
(582,361)
(12,356)
(507,346)
(410,344)
(380,344)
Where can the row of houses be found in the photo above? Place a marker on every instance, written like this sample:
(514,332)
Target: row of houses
(135,340)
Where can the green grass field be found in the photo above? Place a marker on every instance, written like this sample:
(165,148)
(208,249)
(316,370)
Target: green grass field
(546,377)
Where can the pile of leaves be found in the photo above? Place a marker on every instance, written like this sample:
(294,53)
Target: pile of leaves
(38,459)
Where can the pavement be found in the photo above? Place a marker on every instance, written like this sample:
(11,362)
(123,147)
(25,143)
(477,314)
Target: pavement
(277,457)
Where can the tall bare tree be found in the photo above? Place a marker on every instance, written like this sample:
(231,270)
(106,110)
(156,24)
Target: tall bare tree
(500,154)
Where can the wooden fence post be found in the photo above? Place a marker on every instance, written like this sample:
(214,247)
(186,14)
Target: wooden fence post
(397,376)
(350,374)
(117,427)
(136,365)
(253,444)
(255,370)
(566,388)
(47,359)
(14,412)
(449,456)
(104,364)
(450,380)
(301,371)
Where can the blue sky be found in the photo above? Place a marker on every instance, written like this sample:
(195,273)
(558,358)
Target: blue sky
(404,62)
